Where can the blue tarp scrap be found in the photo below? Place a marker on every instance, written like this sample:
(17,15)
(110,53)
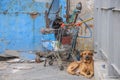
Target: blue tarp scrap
(27,56)
(47,41)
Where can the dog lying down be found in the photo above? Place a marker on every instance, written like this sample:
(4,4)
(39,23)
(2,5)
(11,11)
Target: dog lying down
(83,67)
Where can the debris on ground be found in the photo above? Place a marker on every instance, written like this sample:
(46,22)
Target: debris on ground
(3,66)
(22,67)
(34,71)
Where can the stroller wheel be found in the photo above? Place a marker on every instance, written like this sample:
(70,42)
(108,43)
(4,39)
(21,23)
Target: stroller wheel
(45,63)
(61,67)
(50,62)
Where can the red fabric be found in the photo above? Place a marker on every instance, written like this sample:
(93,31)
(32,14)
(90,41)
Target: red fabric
(66,40)
(62,25)
(78,24)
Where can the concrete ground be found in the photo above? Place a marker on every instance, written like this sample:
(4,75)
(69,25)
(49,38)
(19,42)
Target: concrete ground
(34,71)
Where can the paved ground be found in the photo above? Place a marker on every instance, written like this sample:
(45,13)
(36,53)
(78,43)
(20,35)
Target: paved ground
(34,71)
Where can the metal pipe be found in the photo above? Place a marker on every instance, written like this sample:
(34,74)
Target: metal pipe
(67,11)
(50,7)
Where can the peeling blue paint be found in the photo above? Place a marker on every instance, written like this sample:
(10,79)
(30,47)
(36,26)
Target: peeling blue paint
(63,10)
(18,30)
(12,6)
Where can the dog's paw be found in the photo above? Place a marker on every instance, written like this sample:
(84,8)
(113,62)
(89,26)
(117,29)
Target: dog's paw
(89,76)
(88,73)
(77,73)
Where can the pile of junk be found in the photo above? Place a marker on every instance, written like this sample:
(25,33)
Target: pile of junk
(61,45)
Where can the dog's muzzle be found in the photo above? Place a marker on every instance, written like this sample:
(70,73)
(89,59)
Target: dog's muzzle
(87,58)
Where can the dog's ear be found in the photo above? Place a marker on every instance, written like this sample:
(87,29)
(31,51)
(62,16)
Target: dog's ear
(81,54)
(91,53)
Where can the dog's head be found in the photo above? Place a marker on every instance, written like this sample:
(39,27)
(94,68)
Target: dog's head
(87,56)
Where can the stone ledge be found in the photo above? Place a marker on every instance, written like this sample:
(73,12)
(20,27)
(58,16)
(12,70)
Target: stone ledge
(101,73)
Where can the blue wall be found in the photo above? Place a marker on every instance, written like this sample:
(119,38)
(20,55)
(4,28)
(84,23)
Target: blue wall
(63,10)
(18,30)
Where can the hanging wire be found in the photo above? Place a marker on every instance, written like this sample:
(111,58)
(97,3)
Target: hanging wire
(90,36)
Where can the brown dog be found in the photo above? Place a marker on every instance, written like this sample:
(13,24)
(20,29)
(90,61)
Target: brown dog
(83,67)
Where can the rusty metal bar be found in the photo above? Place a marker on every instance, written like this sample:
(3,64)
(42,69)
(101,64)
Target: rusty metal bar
(47,19)
(67,11)
(50,7)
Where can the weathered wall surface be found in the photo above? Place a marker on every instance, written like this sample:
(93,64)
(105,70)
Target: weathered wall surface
(20,23)
(107,30)
(87,12)
(88,6)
